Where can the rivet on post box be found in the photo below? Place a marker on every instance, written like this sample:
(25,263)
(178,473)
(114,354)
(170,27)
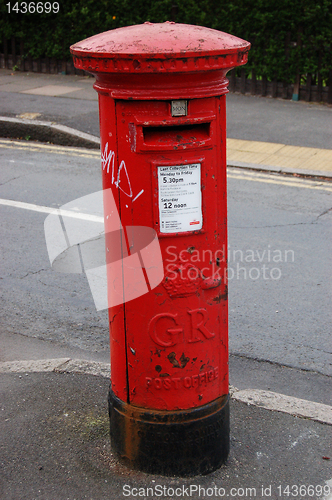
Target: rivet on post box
(162,102)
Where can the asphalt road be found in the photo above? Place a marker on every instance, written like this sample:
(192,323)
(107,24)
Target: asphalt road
(248,117)
(279,259)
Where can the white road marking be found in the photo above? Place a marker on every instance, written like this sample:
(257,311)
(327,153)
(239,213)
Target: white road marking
(270,179)
(285,404)
(24,162)
(49,210)
(254,177)
(232,173)
(49,148)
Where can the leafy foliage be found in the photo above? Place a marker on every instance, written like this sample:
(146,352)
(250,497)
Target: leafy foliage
(287,36)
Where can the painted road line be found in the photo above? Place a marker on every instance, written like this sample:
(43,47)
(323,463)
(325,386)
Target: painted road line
(279,155)
(48,148)
(58,151)
(264,153)
(263,399)
(253,146)
(253,177)
(285,404)
(271,148)
(238,171)
(266,178)
(282,182)
(316,169)
(49,210)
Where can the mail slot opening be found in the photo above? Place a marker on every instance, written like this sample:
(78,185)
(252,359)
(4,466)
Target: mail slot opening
(181,135)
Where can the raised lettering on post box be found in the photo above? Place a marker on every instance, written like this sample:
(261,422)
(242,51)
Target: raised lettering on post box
(171,333)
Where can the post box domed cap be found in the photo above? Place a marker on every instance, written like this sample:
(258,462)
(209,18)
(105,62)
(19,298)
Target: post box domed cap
(168,46)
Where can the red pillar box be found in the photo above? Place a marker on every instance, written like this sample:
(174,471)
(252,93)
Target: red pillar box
(163,144)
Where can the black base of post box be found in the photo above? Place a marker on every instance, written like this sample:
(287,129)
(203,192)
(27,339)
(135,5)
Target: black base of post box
(179,443)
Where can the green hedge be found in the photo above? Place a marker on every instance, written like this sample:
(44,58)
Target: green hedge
(286,35)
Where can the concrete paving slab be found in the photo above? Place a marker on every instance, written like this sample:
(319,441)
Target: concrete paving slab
(284,161)
(51,90)
(235,155)
(301,152)
(254,146)
(279,155)
(313,164)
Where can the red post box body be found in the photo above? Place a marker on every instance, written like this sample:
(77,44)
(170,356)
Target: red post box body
(163,144)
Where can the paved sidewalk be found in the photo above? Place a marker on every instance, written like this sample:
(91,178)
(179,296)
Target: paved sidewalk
(56,445)
(278,157)
(42,107)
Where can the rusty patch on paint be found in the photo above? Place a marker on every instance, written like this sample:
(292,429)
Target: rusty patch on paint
(221,296)
(173,360)
(183,360)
